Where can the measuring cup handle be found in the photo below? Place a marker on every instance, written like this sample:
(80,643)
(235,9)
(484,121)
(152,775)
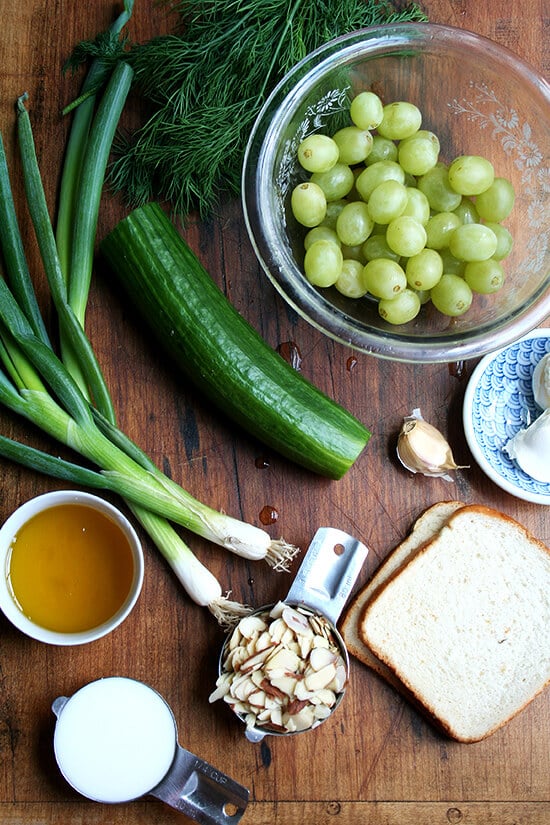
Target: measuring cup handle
(201,792)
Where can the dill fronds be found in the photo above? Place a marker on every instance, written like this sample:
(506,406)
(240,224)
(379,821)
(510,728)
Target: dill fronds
(205,83)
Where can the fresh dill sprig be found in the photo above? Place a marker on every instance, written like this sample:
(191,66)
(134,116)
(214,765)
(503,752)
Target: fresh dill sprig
(206,82)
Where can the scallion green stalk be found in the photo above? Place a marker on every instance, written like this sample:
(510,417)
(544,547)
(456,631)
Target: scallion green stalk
(199,583)
(55,395)
(38,209)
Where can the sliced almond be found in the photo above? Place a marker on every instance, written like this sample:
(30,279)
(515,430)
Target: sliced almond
(301,691)
(277,629)
(340,678)
(286,684)
(320,641)
(255,661)
(257,676)
(297,621)
(276,718)
(282,670)
(302,720)
(321,711)
(264,640)
(277,610)
(235,639)
(221,690)
(249,625)
(257,699)
(241,689)
(284,658)
(322,656)
(325,696)
(306,645)
(235,658)
(318,679)
(271,689)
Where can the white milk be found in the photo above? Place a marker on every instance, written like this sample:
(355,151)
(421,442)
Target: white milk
(115,739)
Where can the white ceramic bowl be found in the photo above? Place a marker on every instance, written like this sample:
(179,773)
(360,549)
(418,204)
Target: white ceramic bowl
(13,524)
(498,402)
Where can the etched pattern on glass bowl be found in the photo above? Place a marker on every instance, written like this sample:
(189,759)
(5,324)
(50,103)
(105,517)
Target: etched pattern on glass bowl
(479,99)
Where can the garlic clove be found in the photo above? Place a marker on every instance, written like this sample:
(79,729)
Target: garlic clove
(421,448)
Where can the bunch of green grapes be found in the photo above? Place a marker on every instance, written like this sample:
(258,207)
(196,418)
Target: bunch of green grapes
(386,217)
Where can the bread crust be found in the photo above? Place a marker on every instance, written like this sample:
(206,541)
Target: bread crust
(423,537)
(428,523)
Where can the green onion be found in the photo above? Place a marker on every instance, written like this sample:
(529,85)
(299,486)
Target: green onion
(200,584)
(40,387)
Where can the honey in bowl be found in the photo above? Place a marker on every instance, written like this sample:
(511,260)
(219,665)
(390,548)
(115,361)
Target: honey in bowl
(71,568)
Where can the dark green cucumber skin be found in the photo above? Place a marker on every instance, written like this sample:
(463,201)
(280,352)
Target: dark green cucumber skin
(222,353)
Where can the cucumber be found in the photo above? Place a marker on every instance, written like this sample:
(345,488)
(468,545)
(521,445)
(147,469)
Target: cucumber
(222,354)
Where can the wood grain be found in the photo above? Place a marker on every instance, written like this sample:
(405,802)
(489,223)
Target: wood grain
(376,761)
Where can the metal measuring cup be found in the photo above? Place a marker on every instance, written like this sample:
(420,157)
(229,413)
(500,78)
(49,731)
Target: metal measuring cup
(142,757)
(320,590)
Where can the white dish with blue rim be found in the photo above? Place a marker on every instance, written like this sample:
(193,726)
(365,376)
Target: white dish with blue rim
(497,404)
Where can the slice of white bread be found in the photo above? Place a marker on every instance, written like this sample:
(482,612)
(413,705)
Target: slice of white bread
(425,528)
(464,624)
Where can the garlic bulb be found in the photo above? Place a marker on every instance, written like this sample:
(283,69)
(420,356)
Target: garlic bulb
(421,448)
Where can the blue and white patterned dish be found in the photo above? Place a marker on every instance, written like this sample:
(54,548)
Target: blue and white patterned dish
(499,402)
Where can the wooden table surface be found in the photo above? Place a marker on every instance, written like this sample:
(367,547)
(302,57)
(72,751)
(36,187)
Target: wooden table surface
(376,761)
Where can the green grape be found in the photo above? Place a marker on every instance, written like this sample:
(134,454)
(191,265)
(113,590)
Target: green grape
(320,233)
(317,153)
(451,264)
(382,149)
(354,223)
(387,217)
(366,110)
(354,144)
(473,242)
(417,206)
(419,153)
(350,281)
(406,236)
(485,277)
(384,278)
(308,204)
(505,240)
(401,309)
(323,263)
(471,174)
(496,203)
(451,295)
(440,228)
(377,247)
(424,270)
(400,120)
(333,210)
(372,176)
(436,187)
(466,211)
(423,295)
(387,201)
(354,253)
(336,182)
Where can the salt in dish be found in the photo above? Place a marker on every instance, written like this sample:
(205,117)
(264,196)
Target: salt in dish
(498,403)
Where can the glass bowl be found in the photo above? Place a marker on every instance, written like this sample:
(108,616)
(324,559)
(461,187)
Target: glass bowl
(480,99)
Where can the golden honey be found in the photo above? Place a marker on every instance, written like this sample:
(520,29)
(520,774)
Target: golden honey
(71,568)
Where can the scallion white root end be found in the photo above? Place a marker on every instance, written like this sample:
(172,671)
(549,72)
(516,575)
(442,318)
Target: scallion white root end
(228,613)
(280,553)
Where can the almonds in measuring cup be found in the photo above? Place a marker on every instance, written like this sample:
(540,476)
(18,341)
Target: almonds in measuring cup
(282,670)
